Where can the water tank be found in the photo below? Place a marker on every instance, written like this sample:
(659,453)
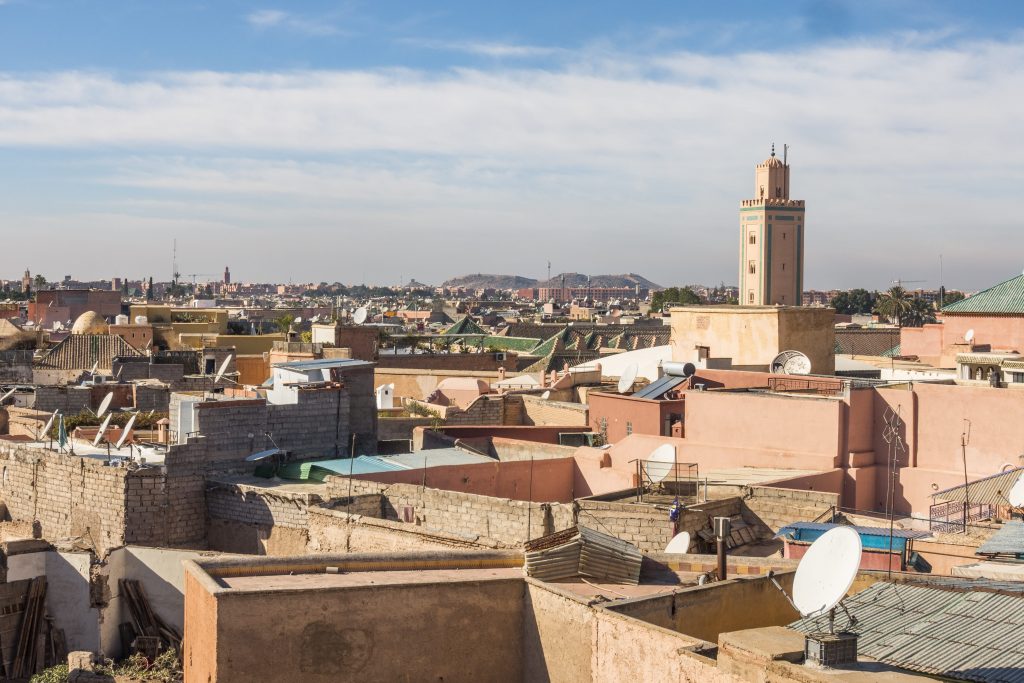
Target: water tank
(141,320)
(121,320)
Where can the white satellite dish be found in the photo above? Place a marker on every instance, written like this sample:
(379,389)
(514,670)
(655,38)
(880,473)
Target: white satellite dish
(124,434)
(95,367)
(104,404)
(262,455)
(102,430)
(1016,494)
(223,368)
(969,335)
(7,395)
(545,396)
(359,317)
(297,320)
(660,462)
(628,377)
(679,544)
(49,423)
(791,363)
(826,571)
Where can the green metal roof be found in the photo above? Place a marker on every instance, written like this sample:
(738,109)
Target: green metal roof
(523,344)
(466,326)
(1006,297)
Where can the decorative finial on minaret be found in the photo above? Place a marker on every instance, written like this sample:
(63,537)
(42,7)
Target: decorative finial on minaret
(773,149)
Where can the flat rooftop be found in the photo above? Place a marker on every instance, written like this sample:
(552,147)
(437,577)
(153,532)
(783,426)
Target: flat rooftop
(751,476)
(301,582)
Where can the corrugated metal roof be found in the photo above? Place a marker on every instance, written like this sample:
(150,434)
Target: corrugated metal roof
(657,389)
(607,558)
(80,351)
(1008,541)
(862,530)
(1006,297)
(971,634)
(986,491)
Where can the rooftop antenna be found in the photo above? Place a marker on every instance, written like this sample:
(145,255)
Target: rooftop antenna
(7,395)
(892,436)
(359,317)
(785,173)
(627,378)
(965,438)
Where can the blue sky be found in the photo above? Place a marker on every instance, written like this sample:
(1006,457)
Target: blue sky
(376,141)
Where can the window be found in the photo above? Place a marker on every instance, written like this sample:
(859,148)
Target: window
(783,267)
(752,267)
(783,235)
(753,238)
(750,296)
(629,427)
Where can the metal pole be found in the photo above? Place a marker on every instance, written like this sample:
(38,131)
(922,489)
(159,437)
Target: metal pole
(721,559)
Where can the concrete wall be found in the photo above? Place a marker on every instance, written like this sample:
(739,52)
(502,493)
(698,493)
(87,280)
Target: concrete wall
(68,595)
(777,506)
(250,520)
(538,411)
(420,383)
(558,633)
(616,416)
(443,632)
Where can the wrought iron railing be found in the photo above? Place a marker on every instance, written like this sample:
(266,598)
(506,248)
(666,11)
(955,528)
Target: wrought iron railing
(952,517)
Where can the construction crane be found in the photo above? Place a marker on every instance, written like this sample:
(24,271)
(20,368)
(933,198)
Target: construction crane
(195,275)
(899,283)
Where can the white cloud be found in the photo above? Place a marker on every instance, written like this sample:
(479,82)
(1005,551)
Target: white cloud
(273,18)
(902,152)
(487,49)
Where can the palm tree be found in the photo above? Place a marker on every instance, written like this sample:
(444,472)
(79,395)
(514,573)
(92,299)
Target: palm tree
(894,305)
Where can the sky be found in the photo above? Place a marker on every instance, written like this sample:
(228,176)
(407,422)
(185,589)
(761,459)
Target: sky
(383,141)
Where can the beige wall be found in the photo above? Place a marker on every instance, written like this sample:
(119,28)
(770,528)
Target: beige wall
(751,336)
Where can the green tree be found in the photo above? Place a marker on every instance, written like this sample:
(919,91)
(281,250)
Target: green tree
(39,282)
(894,305)
(952,296)
(921,313)
(284,323)
(854,301)
(674,296)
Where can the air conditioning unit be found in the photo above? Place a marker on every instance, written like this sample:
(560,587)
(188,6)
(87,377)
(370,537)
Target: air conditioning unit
(98,379)
(500,355)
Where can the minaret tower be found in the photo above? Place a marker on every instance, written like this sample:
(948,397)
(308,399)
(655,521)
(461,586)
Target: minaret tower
(771,239)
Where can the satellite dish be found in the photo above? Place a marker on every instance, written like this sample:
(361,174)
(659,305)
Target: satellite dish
(791,363)
(49,423)
(545,396)
(262,455)
(826,571)
(628,377)
(7,395)
(124,434)
(679,544)
(969,335)
(102,430)
(1016,494)
(223,368)
(104,404)
(297,320)
(118,375)
(359,317)
(95,367)
(660,462)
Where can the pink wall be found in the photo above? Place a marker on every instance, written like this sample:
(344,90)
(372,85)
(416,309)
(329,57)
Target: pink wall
(545,434)
(831,482)
(1000,332)
(547,480)
(868,559)
(759,430)
(622,412)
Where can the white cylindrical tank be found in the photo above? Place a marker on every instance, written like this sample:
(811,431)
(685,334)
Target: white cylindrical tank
(120,320)
(141,320)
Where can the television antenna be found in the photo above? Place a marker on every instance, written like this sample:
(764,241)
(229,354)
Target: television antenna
(660,462)
(791,362)
(680,543)
(628,377)
(104,404)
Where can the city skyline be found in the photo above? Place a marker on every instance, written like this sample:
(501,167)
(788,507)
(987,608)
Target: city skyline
(619,142)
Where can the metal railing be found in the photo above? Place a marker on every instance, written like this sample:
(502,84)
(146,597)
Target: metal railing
(658,478)
(952,517)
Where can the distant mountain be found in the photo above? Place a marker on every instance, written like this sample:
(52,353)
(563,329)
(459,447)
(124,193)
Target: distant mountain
(484,281)
(580,280)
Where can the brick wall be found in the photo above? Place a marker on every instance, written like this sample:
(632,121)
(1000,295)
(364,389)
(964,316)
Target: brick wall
(778,507)
(16,366)
(395,428)
(258,506)
(152,397)
(69,401)
(538,411)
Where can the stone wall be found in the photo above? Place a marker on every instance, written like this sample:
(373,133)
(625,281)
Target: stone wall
(778,507)
(152,396)
(467,515)
(647,527)
(538,411)
(16,366)
(254,520)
